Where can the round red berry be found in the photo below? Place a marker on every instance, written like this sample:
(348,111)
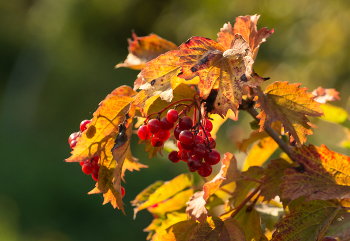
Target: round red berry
(87,168)
(186,154)
(173,156)
(213,157)
(73,137)
(153,126)
(83,124)
(73,144)
(165,124)
(177,131)
(187,147)
(199,150)
(212,142)
(172,115)
(185,123)
(163,135)
(208,125)
(205,170)
(94,174)
(186,137)
(194,163)
(198,139)
(144,133)
(122,191)
(156,142)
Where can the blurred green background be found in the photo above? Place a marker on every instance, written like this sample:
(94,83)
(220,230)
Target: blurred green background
(57,63)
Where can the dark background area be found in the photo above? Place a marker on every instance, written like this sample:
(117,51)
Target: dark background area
(57,63)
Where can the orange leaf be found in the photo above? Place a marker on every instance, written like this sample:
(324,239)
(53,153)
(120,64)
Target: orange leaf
(324,175)
(223,72)
(196,206)
(288,104)
(131,163)
(144,49)
(324,95)
(247,27)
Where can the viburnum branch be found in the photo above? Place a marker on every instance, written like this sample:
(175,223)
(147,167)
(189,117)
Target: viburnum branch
(249,108)
(251,206)
(247,199)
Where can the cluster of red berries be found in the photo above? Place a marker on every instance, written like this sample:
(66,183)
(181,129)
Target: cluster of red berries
(89,166)
(194,141)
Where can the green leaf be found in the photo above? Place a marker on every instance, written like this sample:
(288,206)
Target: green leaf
(308,222)
(340,226)
(250,222)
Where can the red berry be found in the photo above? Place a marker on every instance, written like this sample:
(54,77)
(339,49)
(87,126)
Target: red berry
(81,163)
(212,157)
(205,170)
(83,124)
(73,144)
(94,174)
(186,154)
(144,133)
(165,124)
(163,135)
(87,168)
(205,135)
(186,137)
(212,142)
(198,139)
(153,126)
(172,115)
(123,191)
(173,156)
(208,125)
(185,123)
(179,145)
(194,163)
(187,147)
(95,159)
(200,150)
(177,131)
(156,142)
(73,137)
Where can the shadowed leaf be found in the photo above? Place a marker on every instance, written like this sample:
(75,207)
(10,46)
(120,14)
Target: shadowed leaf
(340,226)
(324,175)
(308,222)
(288,104)
(178,232)
(144,49)
(247,27)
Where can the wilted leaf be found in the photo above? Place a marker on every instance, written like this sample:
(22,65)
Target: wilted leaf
(144,49)
(196,206)
(159,77)
(172,204)
(244,186)
(308,222)
(340,226)
(250,222)
(165,191)
(272,179)
(324,175)
(288,104)
(324,95)
(247,27)
(103,127)
(222,71)
(260,152)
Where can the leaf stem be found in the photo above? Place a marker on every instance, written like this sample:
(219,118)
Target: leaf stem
(270,131)
(247,199)
(251,179)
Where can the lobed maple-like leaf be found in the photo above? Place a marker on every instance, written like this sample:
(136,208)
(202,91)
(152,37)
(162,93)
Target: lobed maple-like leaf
(222,72)
(324,95)
(211,229)
(290,105)
(144,49)
(159,77)
(308,222)
(196,209)
(272,178)
(164,192)
(247,27)
(324,175)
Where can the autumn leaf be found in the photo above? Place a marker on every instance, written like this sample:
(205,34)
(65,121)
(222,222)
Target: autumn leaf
(247,27)
(308,222)
(165,191)
(211,229)
(228,173)
(334,114)
(260,152)
(340,226)
(144,49)
(288,104)
(131,163)
(250,222)
(272,178)
(324,95)
(159,77)
(222,72)
(244,186)
(324,175)
(144,195)
(217,121)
